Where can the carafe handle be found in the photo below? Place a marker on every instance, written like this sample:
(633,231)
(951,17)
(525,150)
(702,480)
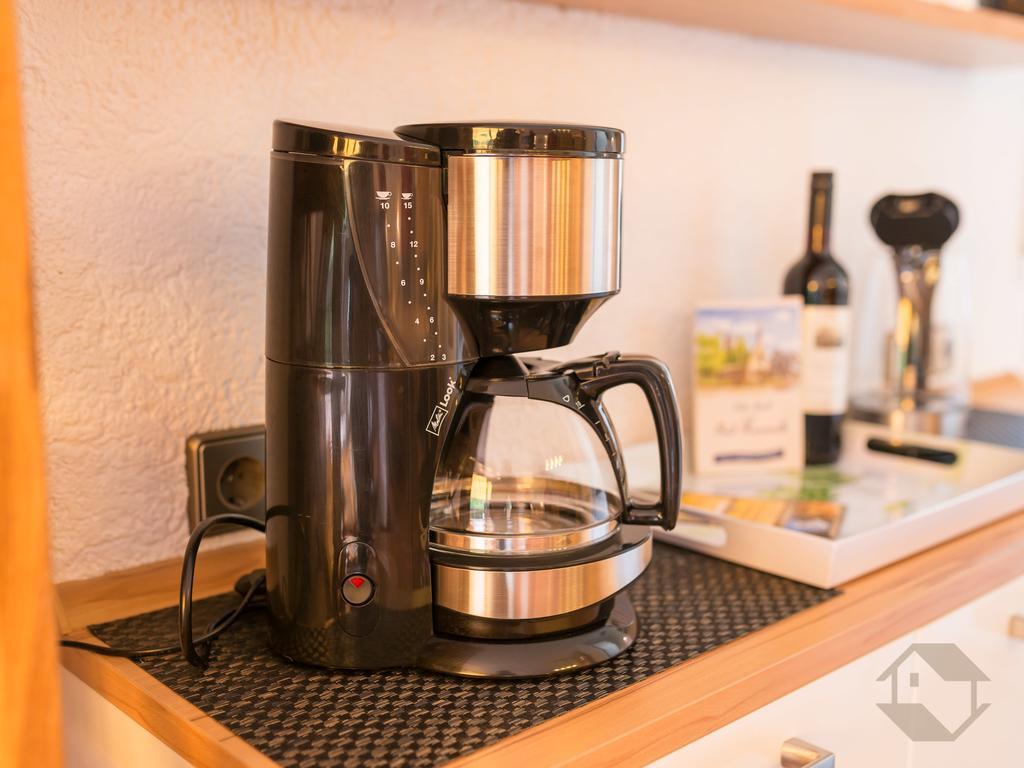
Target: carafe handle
(652,376)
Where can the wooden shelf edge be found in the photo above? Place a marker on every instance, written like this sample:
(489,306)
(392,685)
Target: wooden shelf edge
(152,586)
(902,29)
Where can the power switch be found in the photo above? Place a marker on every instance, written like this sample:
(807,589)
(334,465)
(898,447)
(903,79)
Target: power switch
(357,589)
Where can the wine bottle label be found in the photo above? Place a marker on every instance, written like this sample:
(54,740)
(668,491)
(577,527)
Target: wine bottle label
(826,359)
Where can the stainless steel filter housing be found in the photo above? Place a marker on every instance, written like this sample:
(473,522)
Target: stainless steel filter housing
(529,226)
(534,219)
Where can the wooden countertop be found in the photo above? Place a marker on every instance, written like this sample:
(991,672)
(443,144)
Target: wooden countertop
(631,727)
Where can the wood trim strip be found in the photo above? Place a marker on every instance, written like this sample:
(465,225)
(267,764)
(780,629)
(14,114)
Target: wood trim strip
(153,586)
(999,393)
(628,728)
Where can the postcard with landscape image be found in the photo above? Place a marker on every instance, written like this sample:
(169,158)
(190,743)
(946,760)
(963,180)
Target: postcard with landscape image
(747,386)
(748,346)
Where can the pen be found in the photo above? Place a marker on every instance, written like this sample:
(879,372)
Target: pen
(938,455)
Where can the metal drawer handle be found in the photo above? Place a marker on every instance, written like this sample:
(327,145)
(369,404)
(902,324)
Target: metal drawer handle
(797,753)
(1017,626)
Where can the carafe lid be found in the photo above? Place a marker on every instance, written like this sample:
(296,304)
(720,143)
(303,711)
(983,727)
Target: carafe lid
(539,138)
(329,140)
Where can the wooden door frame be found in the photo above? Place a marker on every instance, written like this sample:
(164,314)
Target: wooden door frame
(30,713)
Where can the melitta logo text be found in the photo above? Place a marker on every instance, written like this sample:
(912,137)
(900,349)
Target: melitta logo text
(441,409)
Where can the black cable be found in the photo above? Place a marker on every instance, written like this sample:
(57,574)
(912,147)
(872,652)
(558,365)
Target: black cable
(215,628)
(186,644)
(188,569)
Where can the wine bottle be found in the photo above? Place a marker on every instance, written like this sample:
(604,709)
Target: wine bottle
(823,284)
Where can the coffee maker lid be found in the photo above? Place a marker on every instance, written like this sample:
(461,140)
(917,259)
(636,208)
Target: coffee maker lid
(539,138)
(329,140)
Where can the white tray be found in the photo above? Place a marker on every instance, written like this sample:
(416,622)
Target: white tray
(891,506)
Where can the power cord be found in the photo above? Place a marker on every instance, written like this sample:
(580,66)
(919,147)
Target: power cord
(251,586)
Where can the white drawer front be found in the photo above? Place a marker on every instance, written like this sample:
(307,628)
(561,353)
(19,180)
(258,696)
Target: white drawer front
(99,735)
(982,631)
(838,712)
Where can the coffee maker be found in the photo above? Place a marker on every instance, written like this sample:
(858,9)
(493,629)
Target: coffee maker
(434,497)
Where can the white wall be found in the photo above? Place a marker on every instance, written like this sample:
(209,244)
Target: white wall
(148,131)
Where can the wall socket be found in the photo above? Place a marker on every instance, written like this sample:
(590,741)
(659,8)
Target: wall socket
(226,473)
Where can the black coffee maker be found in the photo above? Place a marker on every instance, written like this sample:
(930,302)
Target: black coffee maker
(433,499)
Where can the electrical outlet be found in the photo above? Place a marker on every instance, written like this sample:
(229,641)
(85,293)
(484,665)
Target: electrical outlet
(226,473)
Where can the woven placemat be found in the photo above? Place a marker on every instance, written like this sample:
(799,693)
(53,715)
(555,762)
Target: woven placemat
(302,716)
(995,427)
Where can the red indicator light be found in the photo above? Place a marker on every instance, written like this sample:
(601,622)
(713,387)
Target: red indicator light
(357,582)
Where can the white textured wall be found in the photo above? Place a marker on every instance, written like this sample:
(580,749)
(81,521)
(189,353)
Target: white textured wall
(148,131)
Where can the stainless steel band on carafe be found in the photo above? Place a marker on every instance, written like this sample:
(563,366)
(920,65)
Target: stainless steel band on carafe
(433,500)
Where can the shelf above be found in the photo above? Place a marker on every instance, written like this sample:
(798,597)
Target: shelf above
(903,29)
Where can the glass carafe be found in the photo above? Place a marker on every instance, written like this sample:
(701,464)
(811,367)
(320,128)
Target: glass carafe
(524,476)
(533,465)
